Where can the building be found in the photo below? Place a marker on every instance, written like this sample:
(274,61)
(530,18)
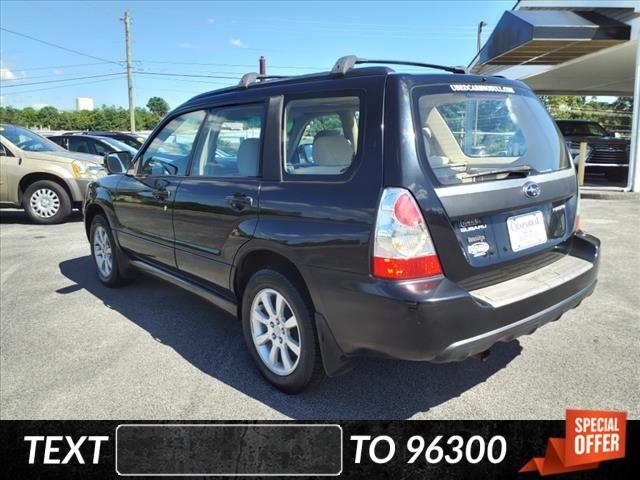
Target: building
(84,103)
(571,47)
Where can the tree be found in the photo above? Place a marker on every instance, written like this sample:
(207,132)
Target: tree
(29,117)
(623,103)
(47,116)
(158,105)
(615,116)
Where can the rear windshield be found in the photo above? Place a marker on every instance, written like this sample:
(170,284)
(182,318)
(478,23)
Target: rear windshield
(475,136)
(582,129)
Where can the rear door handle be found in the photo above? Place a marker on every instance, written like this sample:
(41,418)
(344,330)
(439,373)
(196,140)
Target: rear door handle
(239,201)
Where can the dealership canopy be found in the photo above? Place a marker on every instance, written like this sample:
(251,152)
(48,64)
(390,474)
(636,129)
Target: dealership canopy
(587,47)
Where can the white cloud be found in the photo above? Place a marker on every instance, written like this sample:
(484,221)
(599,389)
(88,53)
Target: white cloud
(6,74)
(58,71)
(211,20)
(187,45)
(38,106)
(236,42)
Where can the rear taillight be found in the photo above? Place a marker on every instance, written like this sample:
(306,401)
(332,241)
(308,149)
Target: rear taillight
(402,246)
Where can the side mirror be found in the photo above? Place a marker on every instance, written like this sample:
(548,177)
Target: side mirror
(117,162)
(305,152)
(3,151)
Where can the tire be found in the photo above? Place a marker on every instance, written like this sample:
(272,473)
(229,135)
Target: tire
(106,255)
(47,202)
(304,368)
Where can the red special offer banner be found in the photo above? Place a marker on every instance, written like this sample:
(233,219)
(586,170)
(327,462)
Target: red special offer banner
(591,436)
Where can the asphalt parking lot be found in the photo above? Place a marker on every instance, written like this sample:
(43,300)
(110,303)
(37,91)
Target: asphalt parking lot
(73,349)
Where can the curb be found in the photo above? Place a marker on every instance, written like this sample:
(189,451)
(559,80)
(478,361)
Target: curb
(609,195)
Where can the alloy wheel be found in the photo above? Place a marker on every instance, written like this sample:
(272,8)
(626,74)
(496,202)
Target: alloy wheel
(102,251)
(275,332)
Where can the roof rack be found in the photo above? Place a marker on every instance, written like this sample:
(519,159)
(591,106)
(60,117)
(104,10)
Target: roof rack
(344,64)
(252,77)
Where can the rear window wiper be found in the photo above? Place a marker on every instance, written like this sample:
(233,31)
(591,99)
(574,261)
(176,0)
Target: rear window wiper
(524,170)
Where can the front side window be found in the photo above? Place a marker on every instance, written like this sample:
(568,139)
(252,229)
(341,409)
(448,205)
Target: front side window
(321,135)
(230,145)
(170,150)
(479,136)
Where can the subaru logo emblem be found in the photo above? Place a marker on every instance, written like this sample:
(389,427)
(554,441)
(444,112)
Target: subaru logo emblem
(531,190)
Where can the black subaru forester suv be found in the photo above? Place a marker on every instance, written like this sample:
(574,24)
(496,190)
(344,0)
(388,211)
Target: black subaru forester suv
(354,212)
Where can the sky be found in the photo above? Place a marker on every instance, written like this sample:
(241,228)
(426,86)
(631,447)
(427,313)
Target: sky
(181,49)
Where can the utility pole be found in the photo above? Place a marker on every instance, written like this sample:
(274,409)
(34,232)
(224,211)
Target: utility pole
(127,40)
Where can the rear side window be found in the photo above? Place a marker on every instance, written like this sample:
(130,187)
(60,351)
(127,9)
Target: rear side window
(230,145)
(321,135)
(170,151)
(59,141)
(491,135)
(81,145)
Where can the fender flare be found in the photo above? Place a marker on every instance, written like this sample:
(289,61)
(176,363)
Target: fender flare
(334,360)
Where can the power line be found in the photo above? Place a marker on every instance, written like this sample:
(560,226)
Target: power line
(57,76)
(63,80)
(349,24)
(138,72)
(181,80)
(53,67)
(325,32)
(588,109)
(192,72)
(58,46)
(244,65)
(59,86)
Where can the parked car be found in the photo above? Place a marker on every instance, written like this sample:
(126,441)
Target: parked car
(92,144)
(134,140)
(408,241)
(606,154)
(41,177)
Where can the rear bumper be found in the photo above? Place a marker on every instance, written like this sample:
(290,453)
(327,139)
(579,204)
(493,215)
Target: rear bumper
(437,320)
(465,347)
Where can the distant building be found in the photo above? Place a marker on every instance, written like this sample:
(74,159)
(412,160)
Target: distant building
(84,103)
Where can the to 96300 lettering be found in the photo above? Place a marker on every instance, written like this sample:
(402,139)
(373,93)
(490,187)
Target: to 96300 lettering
(452,450)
